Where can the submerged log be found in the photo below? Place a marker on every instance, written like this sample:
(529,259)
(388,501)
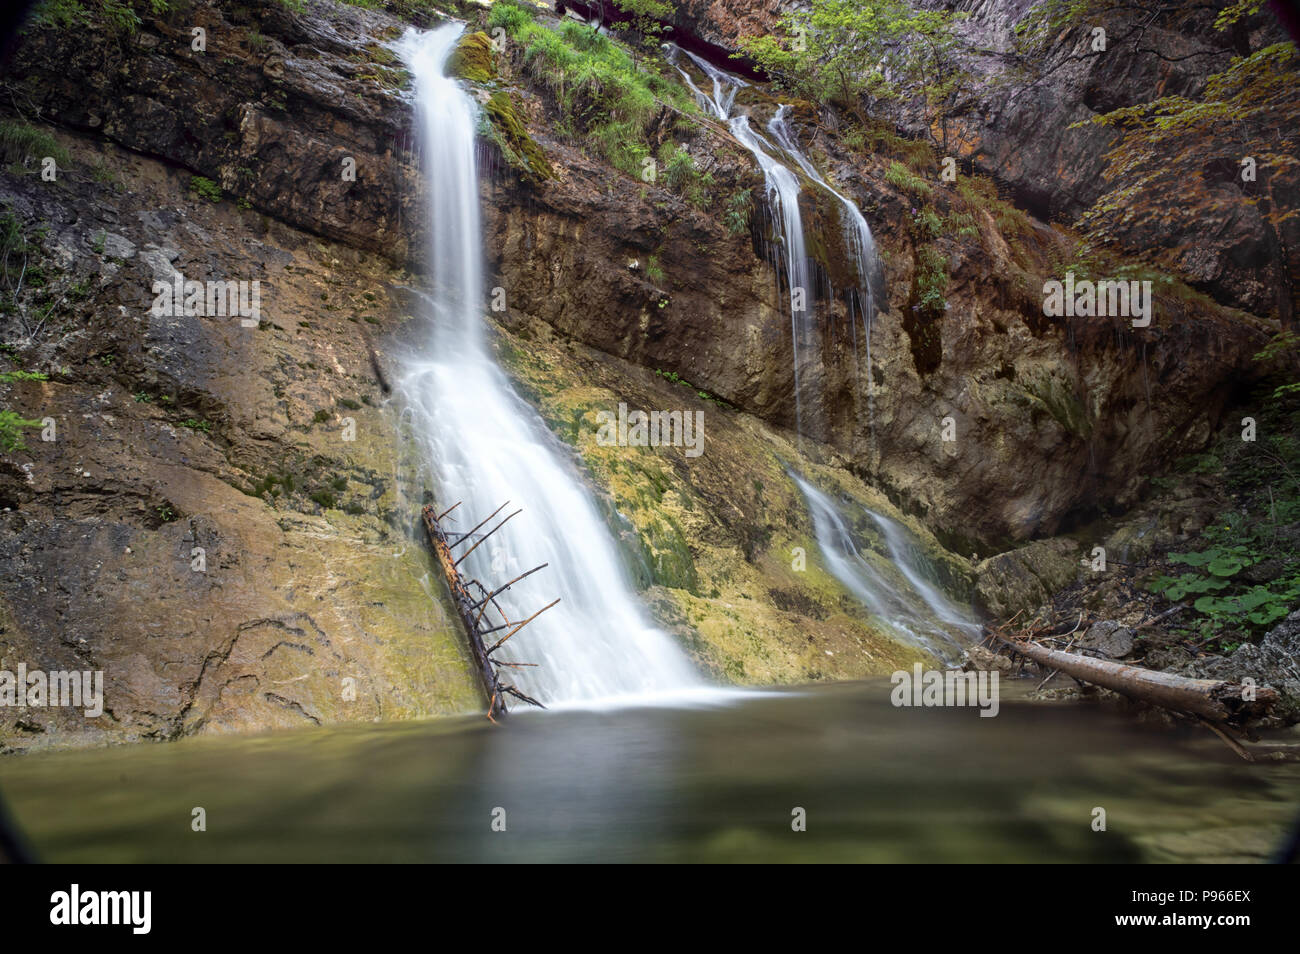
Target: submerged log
(1226,703)
(471,609)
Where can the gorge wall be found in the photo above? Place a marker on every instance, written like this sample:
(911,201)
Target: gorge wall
(318,603)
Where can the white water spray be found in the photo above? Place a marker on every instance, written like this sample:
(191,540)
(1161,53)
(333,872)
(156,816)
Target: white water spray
(487,446)
(783,188)
(895,591)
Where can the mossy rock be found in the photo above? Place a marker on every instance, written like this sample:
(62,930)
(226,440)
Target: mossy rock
(472,59)
(518,147)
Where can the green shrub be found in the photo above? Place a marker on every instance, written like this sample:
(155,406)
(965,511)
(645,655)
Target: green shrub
(901,177)
(602,95)
(926,224)
(961,223)
(737,213)
(682,176)
(205,189)
(11,428)
(931,279)
(118,15)
(1257,606)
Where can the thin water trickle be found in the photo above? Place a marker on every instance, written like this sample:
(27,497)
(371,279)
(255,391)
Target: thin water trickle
(783,188)
(896,591)
(782,196)
(486,446)
(899,597)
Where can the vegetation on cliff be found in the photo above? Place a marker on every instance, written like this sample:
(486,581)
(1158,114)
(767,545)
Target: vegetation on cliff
(605,97)
(882,51)
(1239,141)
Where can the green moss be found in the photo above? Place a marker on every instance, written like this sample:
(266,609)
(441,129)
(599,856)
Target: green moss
(472,59)
(668,554)
(516,145)
(1059,399)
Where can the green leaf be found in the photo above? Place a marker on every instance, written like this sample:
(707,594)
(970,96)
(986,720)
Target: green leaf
(1228,565)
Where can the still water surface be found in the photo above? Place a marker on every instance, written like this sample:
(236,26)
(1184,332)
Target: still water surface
(712,783)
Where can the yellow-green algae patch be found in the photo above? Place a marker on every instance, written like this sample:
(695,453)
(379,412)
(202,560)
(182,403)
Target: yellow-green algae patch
(721,544)
(473,59)
(516,145)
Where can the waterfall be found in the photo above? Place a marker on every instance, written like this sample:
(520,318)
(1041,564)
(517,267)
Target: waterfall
(782,197)
(861,246)
(486,446)
(906,557)
(895,592)
(783,190)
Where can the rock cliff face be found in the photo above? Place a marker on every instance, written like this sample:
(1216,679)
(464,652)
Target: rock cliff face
(274,126)
(177,435)
(205,527)
(1015,125)
(270,109)
(1057,419)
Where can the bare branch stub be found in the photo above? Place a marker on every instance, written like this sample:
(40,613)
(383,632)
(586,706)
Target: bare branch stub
(472,598)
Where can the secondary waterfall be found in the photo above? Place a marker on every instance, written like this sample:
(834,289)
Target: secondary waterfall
(895,590)
(783,188)
(861,248)
(487,446)
(782,196)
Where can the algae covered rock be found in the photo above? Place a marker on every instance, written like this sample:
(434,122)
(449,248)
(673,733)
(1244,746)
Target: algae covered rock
(516,145)
(473,59)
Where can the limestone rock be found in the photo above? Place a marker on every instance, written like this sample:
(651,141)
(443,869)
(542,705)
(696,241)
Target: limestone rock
(979,658)
(1109,637)
(1023,579)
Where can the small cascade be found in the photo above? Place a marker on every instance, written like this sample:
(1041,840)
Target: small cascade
(891,587)
(774,154)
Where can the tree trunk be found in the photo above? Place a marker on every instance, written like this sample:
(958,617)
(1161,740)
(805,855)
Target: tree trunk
(1215,700)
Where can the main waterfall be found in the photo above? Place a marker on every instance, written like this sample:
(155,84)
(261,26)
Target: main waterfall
(487,446)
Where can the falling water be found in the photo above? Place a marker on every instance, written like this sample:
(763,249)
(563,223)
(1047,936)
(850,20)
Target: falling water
(894,590)
(861,244)
(487,446)
(861,248)
(783,196)
(898,595)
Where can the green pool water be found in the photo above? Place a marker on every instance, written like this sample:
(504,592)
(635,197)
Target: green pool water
(719,783)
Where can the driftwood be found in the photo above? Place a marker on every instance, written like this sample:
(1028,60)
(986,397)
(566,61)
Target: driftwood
(1225,703)
(472,601)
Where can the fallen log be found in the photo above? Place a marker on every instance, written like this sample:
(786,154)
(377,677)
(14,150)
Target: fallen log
(471,609)
(1226,703)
